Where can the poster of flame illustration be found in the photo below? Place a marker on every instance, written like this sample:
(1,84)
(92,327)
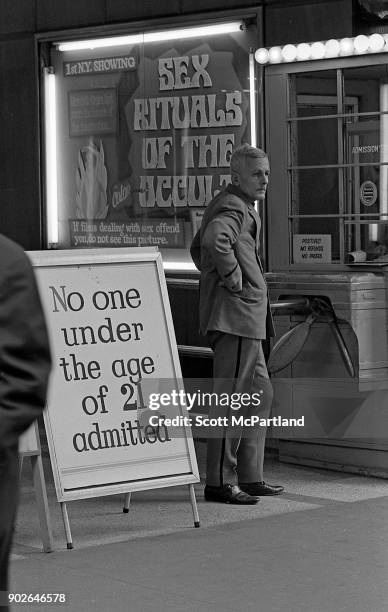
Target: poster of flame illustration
(91,182)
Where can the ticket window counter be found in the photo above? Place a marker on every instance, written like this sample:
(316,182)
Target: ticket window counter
(327,139)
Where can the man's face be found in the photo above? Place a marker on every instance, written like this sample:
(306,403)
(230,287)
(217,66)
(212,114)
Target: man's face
(253,177)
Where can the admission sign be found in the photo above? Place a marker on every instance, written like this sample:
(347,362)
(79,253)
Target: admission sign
(112,338)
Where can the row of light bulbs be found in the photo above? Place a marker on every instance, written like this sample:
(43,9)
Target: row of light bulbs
(360,45)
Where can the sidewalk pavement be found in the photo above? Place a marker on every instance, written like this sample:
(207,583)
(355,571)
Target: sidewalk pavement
(320,547)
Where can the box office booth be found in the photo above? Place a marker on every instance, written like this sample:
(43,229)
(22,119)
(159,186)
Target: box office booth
(326,113)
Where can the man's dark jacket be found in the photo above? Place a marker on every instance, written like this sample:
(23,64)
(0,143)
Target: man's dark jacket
(233,291)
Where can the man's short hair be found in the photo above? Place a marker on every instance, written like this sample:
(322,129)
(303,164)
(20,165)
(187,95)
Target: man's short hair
(242,153)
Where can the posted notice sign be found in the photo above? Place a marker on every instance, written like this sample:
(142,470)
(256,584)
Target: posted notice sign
(312,248)
(111,332)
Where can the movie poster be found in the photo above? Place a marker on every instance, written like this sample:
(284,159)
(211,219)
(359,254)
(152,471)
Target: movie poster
(144,138)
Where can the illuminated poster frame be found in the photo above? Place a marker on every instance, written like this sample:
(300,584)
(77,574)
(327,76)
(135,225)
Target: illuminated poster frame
(139,131)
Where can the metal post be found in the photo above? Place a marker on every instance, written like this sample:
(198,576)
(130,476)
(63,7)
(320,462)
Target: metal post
(67,525)
(194,506)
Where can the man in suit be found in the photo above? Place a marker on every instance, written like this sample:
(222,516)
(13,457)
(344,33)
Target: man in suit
(235,316)
(24,370)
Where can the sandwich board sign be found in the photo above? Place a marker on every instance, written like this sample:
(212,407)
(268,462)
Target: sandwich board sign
(111,332)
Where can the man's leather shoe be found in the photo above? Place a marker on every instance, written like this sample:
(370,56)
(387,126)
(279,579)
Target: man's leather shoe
(229,494)
(260,488)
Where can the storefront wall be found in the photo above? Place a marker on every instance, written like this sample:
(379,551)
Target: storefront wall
(125,148)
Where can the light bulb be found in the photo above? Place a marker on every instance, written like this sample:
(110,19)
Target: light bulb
(318,50)
(262,56)
(289,53)
(332,48)
(346,46)
(376,43)
(303,52)
(275,55)
(361,43)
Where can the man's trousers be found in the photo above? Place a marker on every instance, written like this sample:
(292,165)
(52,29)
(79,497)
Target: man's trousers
(235,453)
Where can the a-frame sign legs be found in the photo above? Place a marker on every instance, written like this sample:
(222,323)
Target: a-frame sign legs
(29,446)
(194,505)
(42,502)
(192,499)
(127,501)
(69,540)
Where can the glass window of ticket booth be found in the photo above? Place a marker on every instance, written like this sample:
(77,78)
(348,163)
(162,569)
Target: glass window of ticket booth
(327,137)
(139,125)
